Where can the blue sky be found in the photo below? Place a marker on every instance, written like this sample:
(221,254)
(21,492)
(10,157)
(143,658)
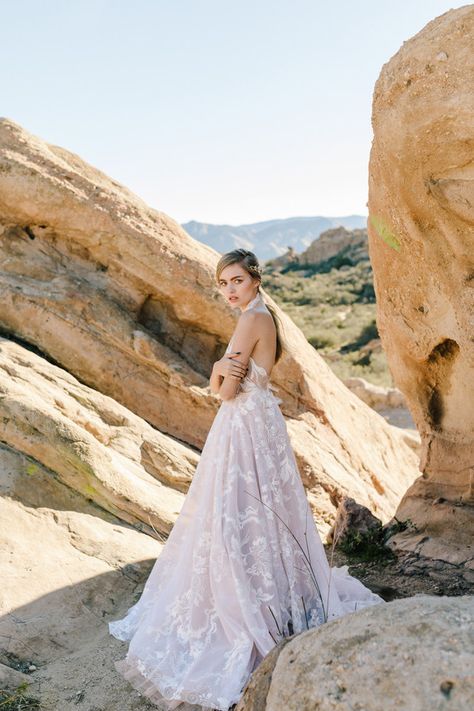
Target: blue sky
(218,111)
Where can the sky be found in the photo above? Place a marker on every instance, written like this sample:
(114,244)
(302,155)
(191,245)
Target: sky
(210,110)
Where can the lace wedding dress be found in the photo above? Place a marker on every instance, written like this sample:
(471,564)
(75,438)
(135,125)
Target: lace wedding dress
(243,566)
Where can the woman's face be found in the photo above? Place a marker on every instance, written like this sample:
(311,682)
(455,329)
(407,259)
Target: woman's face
(237,286)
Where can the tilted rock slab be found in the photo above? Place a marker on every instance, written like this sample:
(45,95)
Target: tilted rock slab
(416,654)
(421,230)
(91,443)
(121,297)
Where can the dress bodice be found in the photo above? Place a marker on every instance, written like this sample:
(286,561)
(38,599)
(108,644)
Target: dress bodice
(257,376)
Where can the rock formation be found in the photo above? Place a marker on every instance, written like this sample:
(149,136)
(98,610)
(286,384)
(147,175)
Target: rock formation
(334,242)
(93,444)
(421,229)
(109,323)
(337,241)
(389,402)
(412,654)
(279,263)
(67,566)
(122,298)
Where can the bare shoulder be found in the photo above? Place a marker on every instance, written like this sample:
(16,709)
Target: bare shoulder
(257,320)
(259,328)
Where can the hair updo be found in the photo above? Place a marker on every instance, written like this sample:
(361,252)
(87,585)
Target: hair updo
(247,259)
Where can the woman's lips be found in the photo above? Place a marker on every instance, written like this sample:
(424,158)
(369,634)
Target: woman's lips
(233,298)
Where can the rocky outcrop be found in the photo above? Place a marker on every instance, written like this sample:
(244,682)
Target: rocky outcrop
(388,402)
(122,298)
(336,242)
(352,520)
(412,654)
(421,247)
(279,263)
(93,444)
(374,395)
(68,566)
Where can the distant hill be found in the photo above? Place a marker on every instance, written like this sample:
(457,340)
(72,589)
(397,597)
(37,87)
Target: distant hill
(332,249)
(271,238)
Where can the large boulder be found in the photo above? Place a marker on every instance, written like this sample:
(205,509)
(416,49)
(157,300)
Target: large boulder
(68,566)
(416,653)
(120,296)
(421,241)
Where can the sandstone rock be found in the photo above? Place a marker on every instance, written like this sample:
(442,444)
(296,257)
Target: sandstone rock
(65,566)
(332,242)
(415,654)
(388,402)
(12,678)
(93,444)
(375,396)
(335,241)
(278,263)
(421,230)
(121,297)
(256,689)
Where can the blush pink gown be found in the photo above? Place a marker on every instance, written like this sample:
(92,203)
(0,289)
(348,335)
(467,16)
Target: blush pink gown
(243,566)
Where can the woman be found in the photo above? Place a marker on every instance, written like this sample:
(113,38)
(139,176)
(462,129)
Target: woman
(244,565)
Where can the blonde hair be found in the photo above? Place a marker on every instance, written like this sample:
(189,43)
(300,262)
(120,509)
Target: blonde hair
(249,262)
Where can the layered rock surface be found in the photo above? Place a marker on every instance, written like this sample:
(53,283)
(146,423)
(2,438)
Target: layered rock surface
(122,298)
(421,230)
(93,444)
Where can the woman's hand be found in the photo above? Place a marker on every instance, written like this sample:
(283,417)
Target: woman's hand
(229,365)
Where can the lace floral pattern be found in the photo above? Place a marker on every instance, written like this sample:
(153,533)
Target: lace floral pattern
(242,567)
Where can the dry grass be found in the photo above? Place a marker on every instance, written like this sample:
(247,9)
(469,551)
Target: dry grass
(18,700)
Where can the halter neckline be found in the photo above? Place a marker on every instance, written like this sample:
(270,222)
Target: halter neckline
(255,302)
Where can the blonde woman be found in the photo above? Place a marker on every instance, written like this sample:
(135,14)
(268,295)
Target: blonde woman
(244,565)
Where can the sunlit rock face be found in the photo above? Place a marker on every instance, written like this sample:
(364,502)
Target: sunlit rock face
(421,242)
(414,654)
(120,296)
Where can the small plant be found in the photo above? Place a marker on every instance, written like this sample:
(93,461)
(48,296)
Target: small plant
(18,700)
(321,340)
(372,544)
(397,526)
(366,545)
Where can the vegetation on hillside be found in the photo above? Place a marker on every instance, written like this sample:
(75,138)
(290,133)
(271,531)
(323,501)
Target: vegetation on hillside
(333,303)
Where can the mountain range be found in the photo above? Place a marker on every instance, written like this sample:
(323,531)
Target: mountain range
(270,238)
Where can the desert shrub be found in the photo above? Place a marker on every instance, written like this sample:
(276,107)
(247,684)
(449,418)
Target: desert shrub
(321,340)
(18,700)
(372,544)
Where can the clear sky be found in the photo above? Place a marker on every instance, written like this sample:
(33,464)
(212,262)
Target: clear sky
(218,111)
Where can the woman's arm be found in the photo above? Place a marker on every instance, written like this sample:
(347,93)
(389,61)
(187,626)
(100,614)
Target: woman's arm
(244,339)
(228,365)
(215,380)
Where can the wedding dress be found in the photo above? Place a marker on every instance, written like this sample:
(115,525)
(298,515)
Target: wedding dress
(243,565)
